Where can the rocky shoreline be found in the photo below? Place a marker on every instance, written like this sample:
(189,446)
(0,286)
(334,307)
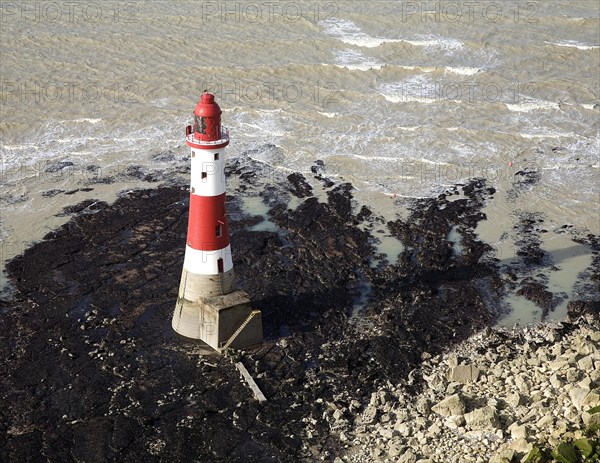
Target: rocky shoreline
(491,399)
(91,370)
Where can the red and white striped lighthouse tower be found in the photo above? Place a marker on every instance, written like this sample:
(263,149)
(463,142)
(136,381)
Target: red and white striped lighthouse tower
(209,307)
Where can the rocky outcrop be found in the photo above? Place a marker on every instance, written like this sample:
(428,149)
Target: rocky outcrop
(90,369)
(534,391)
(90,364)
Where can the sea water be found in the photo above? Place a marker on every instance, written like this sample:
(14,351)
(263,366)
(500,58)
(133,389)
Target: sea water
(403,99)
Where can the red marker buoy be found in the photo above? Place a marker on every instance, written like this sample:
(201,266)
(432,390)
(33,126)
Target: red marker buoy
(510,164)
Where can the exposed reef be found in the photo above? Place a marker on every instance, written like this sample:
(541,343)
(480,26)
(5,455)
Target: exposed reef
(91,370)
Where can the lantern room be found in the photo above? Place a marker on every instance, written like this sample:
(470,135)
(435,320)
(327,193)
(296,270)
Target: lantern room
(207,119)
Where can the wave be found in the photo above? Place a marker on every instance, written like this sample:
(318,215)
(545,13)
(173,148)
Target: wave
(574,44)
(20,147)
(360,67)
(435,41)
(62,139)
(463,71)
(88,120)
(375,158)
(355,60)
(330,115)
(348,32)
(370,64)
(367,41)
(547,135)
(532,106)
(409,99)
(415,89)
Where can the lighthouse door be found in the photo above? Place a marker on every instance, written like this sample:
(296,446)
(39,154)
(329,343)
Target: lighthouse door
(220,265)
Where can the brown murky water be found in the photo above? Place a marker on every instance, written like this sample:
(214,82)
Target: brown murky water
(400,98)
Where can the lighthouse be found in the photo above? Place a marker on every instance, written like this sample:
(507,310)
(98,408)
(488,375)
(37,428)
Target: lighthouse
(209,307)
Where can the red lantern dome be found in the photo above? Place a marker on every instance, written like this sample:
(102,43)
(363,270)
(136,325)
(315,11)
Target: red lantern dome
(207,119)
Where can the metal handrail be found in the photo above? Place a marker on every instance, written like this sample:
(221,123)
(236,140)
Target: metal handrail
(224,137)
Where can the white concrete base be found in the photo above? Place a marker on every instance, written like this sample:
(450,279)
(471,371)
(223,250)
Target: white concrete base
(215,319)
(194,286)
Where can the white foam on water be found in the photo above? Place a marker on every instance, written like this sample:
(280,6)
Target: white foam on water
(161,102)
(367,41)
(261,130)
(408,99)
(354,60)
(88,120)
(413,68)
(463,71)
(574,44)
(374,158)
(64,139)
(269,111)
(532,106)
(20,147)
(592,106)
(458,70)
(560,167)
(348,32)
(435,41)
(360,67)
(129,139)
(547,135)
(415,89)
(330,115)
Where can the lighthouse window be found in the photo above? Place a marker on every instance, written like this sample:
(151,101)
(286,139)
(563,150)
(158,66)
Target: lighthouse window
(216,156)
(204,174)
(220,265)
(219,231)
(200,125)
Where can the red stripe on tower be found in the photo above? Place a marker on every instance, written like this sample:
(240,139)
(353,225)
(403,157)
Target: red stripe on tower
(207,225)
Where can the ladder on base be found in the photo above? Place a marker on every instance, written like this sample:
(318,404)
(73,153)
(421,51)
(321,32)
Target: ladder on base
(240,329)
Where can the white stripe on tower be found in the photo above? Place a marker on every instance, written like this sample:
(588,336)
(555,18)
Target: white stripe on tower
(208,172)
(206,262)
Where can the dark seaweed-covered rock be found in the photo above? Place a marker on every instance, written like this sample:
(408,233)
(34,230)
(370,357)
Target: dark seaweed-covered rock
(537,292)
(579,308)
(88,206)
(300,187)
(58,166)
(90,369)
